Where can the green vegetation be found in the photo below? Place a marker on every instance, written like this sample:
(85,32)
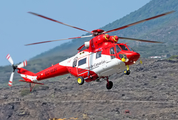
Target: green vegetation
(174,57)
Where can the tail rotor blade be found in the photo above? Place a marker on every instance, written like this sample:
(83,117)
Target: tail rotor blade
(8,57)
(23,64)
(11,79)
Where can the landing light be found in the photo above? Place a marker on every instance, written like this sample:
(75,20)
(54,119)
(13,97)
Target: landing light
(123,59)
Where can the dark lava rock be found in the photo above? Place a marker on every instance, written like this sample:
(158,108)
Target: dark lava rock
(149,92)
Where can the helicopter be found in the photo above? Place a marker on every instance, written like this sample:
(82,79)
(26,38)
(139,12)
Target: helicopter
(96,59)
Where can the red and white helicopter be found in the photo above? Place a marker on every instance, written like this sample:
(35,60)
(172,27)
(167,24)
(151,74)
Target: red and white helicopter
(96,59)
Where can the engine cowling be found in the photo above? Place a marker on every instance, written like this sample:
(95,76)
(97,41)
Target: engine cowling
(99,40)
(114,38)
(102,38)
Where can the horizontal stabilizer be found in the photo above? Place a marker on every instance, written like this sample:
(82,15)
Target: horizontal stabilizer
(31,82)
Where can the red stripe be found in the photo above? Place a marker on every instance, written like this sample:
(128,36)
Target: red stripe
(8,56)
(10,81)
(9,84)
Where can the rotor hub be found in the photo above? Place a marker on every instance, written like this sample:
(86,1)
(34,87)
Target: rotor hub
(97,32)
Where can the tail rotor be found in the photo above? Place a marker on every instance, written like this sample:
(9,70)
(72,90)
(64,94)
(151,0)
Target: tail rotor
(14,67)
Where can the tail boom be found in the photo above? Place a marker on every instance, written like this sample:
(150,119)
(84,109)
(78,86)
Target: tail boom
(53,71)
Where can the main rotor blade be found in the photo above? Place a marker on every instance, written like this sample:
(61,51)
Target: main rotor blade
(58,21)
(140,40)
(8,57)
(123,27)
(58,40)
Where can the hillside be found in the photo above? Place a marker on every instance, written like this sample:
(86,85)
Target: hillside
(162,29)
(148,93)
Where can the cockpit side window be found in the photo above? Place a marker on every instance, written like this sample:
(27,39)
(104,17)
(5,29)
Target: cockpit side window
(112,52)
(118,49)
(123,47)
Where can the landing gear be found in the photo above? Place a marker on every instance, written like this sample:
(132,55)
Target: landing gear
(80,80)
(127,71)
(109,84)
(31,86)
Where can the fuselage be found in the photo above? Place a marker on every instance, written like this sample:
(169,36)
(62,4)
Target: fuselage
(98,58)
(102,58)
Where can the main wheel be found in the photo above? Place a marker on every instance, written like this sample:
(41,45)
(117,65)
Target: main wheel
(80,80)
(109,85)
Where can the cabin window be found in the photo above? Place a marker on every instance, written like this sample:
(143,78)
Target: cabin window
(82,61)
(112,52)
(123,47)
(118,49)
(98,54)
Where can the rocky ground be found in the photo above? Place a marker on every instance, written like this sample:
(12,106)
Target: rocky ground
(150,92)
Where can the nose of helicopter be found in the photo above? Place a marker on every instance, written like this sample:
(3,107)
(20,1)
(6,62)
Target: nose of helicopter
(132,57)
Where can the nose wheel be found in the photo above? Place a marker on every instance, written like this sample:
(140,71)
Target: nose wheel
(127,71)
